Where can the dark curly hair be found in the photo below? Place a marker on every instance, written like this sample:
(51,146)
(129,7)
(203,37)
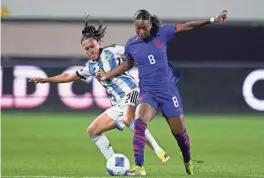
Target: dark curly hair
(89,31)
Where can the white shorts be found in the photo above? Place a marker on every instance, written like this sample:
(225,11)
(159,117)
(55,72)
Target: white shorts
(116,112)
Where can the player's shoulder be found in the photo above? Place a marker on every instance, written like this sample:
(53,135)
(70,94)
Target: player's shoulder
(167,27)
(109,48)
(88,63)
(131,40)
(112,51)
(114,48)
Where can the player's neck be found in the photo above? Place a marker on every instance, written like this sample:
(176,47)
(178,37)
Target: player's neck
(96,60)
(147,39)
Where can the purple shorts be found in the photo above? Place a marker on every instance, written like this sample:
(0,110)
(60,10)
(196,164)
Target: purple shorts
(169,101)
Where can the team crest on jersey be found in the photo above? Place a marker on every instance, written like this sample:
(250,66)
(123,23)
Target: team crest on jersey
(158,43)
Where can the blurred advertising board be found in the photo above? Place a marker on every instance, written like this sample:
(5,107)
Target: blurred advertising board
(204,89)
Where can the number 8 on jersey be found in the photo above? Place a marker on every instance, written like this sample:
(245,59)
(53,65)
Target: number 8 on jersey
(151,59)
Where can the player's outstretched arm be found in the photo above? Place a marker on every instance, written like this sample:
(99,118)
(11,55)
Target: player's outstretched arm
(123,67)
(199,23)
(62,78)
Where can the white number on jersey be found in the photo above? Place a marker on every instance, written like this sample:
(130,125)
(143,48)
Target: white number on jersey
(151,59)
(175,101)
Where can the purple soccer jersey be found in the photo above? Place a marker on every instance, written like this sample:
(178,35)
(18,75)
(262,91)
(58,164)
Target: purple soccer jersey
(150,56)
(155,75)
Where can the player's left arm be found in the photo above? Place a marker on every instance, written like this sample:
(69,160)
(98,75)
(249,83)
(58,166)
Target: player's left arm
(199,23)
(120,69)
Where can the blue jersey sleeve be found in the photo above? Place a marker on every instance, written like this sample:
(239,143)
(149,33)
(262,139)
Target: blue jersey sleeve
(168,31)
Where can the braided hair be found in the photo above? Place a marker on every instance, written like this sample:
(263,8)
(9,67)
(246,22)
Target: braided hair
(145,15)
(89,31)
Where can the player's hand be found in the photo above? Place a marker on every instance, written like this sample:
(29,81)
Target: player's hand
(221,17)
(101,76)
(36,80)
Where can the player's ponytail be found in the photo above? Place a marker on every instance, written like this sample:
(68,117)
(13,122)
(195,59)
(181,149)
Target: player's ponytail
(145,15)
(156,24)
(89,31)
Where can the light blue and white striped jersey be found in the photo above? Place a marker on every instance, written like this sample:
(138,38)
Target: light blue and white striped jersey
(110,58)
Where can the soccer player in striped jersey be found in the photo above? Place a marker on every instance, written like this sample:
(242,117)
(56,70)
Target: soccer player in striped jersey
(123,88)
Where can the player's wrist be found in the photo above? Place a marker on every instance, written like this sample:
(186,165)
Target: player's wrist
(107,75)
(45,80)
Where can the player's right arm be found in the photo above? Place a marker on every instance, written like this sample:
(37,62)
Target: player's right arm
(62,78)
(128,63)
(65,77)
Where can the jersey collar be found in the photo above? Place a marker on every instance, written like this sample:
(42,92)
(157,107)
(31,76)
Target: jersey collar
(146,40)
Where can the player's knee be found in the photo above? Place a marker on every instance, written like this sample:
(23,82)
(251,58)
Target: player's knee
(146,120)
(176,124)
(178,131)
(128,120)
(91,130)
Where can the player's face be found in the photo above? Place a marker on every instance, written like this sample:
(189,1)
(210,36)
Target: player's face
(91,47)
(143,28)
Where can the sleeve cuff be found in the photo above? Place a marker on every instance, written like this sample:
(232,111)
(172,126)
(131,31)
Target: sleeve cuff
(79,75)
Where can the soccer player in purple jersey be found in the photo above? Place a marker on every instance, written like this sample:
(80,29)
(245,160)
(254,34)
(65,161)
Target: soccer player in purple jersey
(156,81)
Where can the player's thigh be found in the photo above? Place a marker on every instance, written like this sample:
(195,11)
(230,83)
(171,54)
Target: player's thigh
(145,112)
(101,124)
(176,124)
(116,114)
(147,107)
(172,109)
(171,103)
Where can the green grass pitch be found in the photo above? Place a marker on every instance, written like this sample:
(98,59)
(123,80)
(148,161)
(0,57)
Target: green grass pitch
(46,144)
